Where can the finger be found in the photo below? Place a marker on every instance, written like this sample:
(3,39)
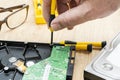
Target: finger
(62,5)
(46,9)
(71,17)
(70,28)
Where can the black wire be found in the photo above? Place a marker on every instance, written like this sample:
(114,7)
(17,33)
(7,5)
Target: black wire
(13,78)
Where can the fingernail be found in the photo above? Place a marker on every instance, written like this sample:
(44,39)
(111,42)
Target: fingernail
(70,28)
(56,27)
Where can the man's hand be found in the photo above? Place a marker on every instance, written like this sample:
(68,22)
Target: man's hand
(80,11)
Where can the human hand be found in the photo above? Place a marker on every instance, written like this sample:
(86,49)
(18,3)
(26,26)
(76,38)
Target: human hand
(80,11)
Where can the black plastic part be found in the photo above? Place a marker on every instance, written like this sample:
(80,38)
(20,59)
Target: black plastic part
(57,44)
(72,48)
(38,4)
(70,66)
(50,20)
(69,42)
(9,69)
(89,47)
(5,59)
(26,51)
(6,71)
(31,51)
(70,71)
(104,44)
(89,76)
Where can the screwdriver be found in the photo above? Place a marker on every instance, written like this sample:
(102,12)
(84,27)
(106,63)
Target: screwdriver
(52,16)
(95,44)
(77,47)
(39,6)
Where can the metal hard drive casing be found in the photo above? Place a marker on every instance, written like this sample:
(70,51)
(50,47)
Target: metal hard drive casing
(106,65)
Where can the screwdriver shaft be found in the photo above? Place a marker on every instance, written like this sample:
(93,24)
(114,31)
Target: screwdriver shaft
(51,38)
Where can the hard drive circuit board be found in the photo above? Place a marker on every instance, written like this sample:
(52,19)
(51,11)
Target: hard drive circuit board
(53,68)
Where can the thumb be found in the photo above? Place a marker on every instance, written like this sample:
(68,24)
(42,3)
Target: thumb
(71,17)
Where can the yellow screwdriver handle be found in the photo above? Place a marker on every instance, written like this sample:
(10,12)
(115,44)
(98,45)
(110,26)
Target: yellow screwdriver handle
(82,47)
(52,13)
(96,44)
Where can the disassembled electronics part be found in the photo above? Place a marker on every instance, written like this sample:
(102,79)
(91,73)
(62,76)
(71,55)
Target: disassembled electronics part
(20,65)
(57,67)
(15,57)
(106,65)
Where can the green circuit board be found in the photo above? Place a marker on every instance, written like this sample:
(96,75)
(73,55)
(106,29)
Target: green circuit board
(52,68)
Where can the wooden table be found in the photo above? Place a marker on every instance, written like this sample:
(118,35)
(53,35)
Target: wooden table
(98,30)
